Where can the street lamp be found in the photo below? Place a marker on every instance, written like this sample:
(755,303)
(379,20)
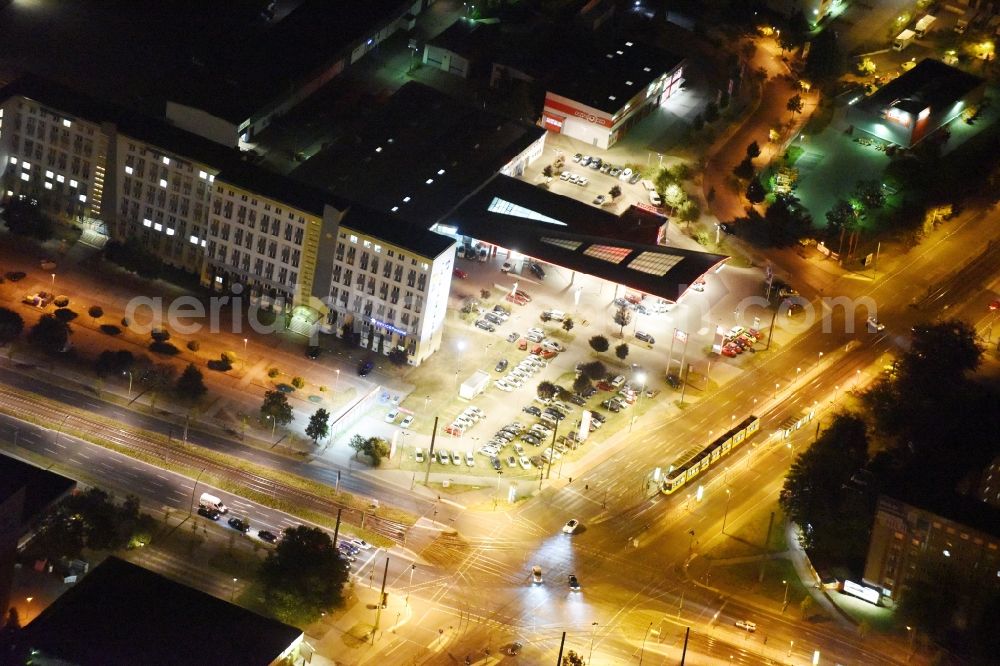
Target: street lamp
(245,340)
(635,413)
(129,373)
(643,650)
(336,379)
(776,386)
(413,567)
(593,630)
(797,371)
(53,279)
(819,358)
(784,604)
(232,594)
(729,496)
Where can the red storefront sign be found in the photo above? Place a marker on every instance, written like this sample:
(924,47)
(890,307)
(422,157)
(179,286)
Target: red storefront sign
(589,117)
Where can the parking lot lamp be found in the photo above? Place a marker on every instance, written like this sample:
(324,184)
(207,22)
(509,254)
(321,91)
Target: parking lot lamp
(635,414)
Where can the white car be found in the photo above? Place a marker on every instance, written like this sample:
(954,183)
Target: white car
(406,422)
(456,457)
(391,416)
(654,198)
(442,457)
(571,526)
(553,345)
(875,325)
(418,454)
(625,174)
(582,181)
(525,463)
(470,459)
(361,544)
(507,267)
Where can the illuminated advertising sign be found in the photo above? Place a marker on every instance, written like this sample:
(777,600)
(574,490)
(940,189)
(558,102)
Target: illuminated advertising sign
(388,327)
(680,335)
(868,594)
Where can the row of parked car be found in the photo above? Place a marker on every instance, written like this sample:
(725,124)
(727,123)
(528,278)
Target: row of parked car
(468,418)
(739,340)
(597,164)
(492,318)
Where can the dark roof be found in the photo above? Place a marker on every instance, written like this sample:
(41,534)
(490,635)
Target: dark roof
(419,134)
(289,191)
(606,78)
(962,509)
(138,126)
(237,78)
(572,234)
(392,229)
(41,487)
(121,613)
(532,50)
(466,38)
(930,84)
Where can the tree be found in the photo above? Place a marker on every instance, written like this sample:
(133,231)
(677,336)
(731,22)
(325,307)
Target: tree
(753,150)
(573,659)
(841,216)
(547,390)
(744,170)
(621,351)
(398,357)
(49,334)
(11,326)
(870,193)
(599,344)
(825,60)
(623,317)
(711,112)
(304,576)
(581,383)
(132,255)
(114,362)
(156,378)
(755,191)
(95,312)
(595,370)
(547,171)
(795,104)
(13,622)
(25,218)
(817,494)
(319,425)
(373,447)
(568,325)
(190,386)
(276,408)
(615,191)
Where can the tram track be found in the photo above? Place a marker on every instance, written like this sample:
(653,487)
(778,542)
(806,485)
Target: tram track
(55,418)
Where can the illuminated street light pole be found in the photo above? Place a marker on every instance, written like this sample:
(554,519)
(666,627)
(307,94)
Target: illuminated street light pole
(784,603)
(635,413)
(593,631)
(729,496)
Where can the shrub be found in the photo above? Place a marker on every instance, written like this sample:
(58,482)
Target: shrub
(160,334)
(110,329)
(220,365)
(165,348)
(65,314)
(599,343)
(194,345)
(95,312)
(298,382)
(398,356)
(273,372)
(61,301)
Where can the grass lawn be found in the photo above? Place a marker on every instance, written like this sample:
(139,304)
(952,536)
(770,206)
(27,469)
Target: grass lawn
(745,576)
(747,537)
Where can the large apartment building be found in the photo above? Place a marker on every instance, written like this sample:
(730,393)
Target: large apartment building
(198,206)
(52,156)
(348,266)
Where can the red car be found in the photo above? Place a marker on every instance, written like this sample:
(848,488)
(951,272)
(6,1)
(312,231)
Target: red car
(460,274)
(522,344)
(548,353)
(731,350)
(605,386)
(516,299)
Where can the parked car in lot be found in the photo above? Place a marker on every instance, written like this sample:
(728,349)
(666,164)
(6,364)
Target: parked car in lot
(645,337)
(406,422)
(536,270)
(470,460)
(418,455)
(495,463)
(585,160)
(599,200)
(460,274)
(578,157)
(513,337)
(654,198)
(485,325)
(524,462)
(506,267)
(391,416)
(582,181)
(442,457)
(501,365)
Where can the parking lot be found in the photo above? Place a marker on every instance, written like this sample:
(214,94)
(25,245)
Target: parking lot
(523,350)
